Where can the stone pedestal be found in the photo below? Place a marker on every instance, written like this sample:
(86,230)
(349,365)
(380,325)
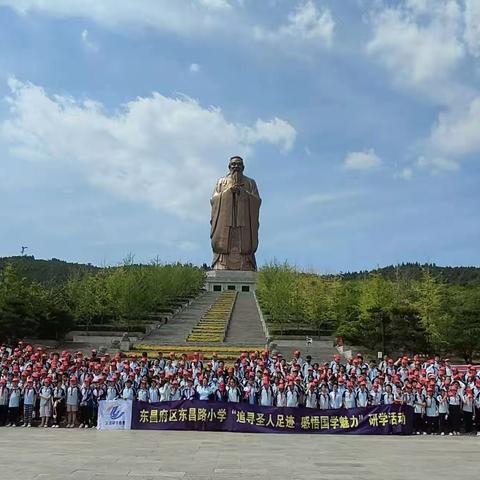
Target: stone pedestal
(220,280)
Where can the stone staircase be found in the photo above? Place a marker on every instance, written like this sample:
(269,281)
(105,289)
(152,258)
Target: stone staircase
(320,350)
(179,327)
(245,326)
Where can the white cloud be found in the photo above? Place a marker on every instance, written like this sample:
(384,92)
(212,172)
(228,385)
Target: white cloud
(362,160)
(305,23)
(405,174)
(271,131)
(194,67)
(457,131)
(323,198)
(438,164)
(418,41)
(184,17)
(166,152)
(88,43)
(472,26)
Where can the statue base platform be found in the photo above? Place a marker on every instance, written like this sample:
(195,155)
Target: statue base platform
(237,280)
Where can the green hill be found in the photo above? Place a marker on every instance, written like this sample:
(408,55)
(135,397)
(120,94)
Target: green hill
(51,272)
(467,276)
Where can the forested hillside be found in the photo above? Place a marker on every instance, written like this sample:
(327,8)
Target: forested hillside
(391,311)
(52,272)
(413,271)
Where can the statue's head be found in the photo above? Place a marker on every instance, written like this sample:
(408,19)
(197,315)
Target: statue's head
(236,164)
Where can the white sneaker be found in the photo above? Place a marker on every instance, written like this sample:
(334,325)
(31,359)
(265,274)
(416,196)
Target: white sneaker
(29,425)
(451,433)
(81,425)
(478,434)
(442,434)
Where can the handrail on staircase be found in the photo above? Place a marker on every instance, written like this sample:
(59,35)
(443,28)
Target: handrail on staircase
(262,320)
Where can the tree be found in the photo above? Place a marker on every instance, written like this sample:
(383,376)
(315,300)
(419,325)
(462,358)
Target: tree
(428,303)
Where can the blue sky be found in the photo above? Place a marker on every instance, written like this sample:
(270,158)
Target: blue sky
(359,120)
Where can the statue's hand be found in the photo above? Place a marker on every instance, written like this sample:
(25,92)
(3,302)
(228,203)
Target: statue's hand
(235,189)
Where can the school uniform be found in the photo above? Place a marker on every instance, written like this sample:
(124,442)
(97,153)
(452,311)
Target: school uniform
(29,397)
(250,394)
(14,405)
(311,399)
(266,396)
(46,396)
(3,404)
(418,412)
(376,397)
(454,416)
(336,399)
(58,409)
(388,398)
(142,395)
(442,414)
(188,393)
(349,400)
(431,412)
(175,394)
(73,398)
(153,395)
(292,397)
(128,393)
(476,404)
(86,406)
(203,392)
(164,391)
(324,401)
(362,398)
(467,412)
(281,398)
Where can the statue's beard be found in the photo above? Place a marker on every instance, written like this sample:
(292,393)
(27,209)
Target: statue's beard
(237,177)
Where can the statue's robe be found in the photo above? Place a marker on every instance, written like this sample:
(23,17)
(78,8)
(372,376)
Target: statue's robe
(234,224)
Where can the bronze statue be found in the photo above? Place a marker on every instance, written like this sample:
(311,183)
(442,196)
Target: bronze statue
(234,221)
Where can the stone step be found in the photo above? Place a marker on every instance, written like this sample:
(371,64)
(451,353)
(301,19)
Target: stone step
(245,325)
(181,324)
(320,350)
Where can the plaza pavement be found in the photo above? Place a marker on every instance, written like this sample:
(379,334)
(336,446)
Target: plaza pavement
(133,455)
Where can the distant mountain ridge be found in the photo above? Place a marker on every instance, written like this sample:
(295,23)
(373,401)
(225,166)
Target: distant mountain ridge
(413,271)
(53,272)
(56,272)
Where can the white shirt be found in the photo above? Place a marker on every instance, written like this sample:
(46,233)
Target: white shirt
(311,399)
(266,396)
(292,398)
(335,400)
(203,392)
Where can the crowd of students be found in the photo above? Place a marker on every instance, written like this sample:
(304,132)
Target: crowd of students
(63,389)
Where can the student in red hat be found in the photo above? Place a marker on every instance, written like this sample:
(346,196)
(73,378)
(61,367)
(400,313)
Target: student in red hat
(46,402)
(73,396)
(29,398)
(468,409)
(58,407)
(4,392)
(442,400)
(221,393)
(266,394)
(454,408)
(14,398)
(419,410)
(280,396)
(431,411)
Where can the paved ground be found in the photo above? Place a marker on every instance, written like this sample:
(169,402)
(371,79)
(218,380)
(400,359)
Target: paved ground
(89,454)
